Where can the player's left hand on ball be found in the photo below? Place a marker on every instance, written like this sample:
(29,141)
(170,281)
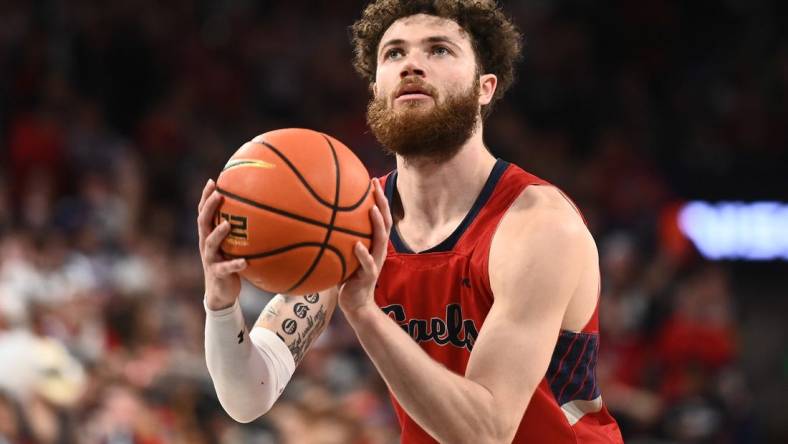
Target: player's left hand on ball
(222,282)
(358,290)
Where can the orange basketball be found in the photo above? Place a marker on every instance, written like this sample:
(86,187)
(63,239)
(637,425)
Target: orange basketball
(297,201)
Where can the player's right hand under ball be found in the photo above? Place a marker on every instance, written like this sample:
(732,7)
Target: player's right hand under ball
(222,282)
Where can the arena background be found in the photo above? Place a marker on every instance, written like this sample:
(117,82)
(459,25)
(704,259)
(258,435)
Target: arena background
(114,114)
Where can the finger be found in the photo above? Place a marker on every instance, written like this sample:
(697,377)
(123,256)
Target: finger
(380,236)
(226,268)
(214,240)
(206,191)
(365,259)
(383,204)
(205,218)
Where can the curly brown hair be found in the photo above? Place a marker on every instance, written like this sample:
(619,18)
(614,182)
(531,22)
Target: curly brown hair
(495,39)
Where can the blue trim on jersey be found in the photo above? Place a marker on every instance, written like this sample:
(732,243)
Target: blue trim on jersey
(572,370)
(448,243)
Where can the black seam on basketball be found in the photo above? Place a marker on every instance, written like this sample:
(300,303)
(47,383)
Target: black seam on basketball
(281,250)
(360,201)
(309,187)
(336,200)
(273,252)
(330,223)
(342,263)
(291,215)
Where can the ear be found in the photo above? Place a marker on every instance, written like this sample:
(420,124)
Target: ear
(373,88)
(487,85)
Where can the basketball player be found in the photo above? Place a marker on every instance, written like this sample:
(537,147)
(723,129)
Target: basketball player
(478,300)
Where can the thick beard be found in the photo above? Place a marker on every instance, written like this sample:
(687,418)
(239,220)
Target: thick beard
(435,134)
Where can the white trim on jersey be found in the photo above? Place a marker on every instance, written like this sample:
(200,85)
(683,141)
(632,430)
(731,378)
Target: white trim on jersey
(575,410)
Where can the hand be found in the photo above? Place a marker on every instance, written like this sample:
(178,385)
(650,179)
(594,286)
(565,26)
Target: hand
(222,283)
(358,291)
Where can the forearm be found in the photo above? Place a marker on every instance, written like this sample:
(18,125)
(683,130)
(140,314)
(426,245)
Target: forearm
(248,373)
(299,320)
(448,406)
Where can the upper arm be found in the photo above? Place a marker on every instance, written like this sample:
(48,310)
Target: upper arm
(299,320)
(536,260)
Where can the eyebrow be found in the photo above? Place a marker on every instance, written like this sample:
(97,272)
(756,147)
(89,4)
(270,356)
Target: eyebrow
(431,39)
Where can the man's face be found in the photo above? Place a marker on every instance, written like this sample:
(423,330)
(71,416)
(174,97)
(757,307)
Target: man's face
(426,92)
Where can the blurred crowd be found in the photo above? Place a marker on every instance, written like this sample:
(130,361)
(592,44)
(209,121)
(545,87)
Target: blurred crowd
(114,114)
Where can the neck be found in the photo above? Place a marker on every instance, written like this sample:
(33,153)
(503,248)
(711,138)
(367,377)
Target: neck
(434,194)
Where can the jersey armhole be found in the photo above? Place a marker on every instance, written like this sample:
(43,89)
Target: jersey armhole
(592,325)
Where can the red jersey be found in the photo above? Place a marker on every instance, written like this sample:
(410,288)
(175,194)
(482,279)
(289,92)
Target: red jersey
(441,297)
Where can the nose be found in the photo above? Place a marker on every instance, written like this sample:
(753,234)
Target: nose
(410,68)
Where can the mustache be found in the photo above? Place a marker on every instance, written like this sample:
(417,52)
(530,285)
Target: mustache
(415,82)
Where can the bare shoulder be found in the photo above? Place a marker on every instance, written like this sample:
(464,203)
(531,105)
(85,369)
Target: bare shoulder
(542,212)
(544,260)
(541,229)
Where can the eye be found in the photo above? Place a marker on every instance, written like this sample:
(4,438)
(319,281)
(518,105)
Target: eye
(440,50)
(393,54)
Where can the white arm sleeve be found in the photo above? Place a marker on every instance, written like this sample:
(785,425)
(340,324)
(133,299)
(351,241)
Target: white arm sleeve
(249,371)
